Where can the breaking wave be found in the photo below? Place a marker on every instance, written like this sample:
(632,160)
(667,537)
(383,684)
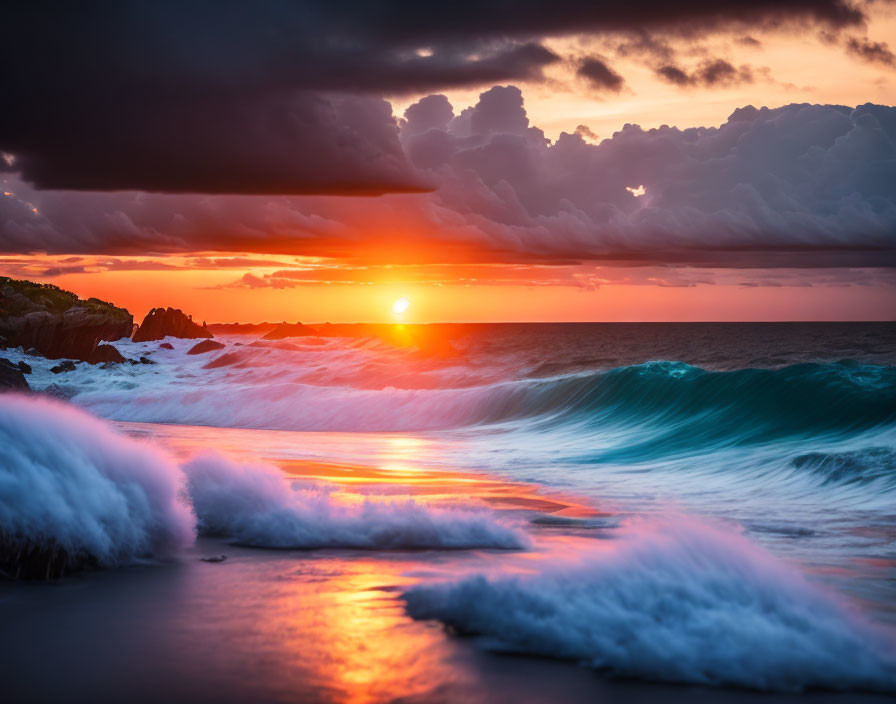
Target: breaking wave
(670,399)
(73,493)
(672,600)
(256,505)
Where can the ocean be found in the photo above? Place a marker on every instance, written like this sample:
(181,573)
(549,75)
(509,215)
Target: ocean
(694,505)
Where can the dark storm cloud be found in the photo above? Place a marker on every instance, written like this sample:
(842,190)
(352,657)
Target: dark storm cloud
(874,52)
(266,96)
(708,73)
(598,75)
(796,186)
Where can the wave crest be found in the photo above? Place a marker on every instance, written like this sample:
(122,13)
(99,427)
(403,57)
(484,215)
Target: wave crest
(681,406)
(674,600)
(74,494)
(254,504)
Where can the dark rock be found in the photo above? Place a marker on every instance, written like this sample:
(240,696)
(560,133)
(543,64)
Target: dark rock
(225,360)
(31,352)
(289,330)
(166,346)
(25,367)
(48,321)
(214,558)
(206,346)
(66,366)
(11,377)
(133,361)
(168,322)
(57,391)
(104,354)
(146,360)
(23,558)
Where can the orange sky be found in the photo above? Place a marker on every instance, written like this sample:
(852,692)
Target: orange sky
(789,67)
(193,291)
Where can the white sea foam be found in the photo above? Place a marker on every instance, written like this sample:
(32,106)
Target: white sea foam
(254,504)
(67,481)
(673,600)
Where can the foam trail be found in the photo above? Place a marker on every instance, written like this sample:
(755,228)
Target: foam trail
(674,600)
(73,492)
(254,504)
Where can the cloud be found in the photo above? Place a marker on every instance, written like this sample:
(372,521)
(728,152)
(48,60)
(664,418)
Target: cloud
(283,98)
(796,186)
(599,75)
(302,143)
(583,276)
(708,73)
(873,52)
(587,134)
(749,41)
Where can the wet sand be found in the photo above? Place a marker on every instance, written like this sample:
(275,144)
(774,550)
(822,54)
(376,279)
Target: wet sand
(306,626)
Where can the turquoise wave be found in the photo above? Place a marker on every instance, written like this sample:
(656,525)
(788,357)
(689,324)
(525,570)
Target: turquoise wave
(678,407)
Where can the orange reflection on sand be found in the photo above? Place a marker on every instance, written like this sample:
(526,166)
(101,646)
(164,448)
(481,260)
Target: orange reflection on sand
(368,649)
(331,620)
(438,486)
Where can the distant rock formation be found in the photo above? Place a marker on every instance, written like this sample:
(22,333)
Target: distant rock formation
(12,377)
(241,328)
(164,322)
(56,323)
(284,330)
(206,346)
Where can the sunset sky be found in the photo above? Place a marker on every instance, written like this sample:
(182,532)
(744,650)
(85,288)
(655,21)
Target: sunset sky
(515,161)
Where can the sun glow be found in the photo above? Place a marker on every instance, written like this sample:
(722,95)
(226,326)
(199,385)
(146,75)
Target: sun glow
(400,306)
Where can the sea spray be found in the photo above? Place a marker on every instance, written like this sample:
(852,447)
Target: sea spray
(675,600)
(255,504)
(73,493)
(76,494)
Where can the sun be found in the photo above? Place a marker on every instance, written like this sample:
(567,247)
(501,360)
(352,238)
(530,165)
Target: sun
(401,305)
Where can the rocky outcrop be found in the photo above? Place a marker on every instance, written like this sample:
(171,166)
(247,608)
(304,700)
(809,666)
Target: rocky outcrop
(64,366)
(56,323)
(284,330)
(169,322)
(206,346)
(105,353)
(11,377)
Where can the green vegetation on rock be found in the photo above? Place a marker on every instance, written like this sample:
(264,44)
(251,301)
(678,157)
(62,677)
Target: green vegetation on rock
(52,298)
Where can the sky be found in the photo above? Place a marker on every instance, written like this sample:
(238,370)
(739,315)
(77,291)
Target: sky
(489,161)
